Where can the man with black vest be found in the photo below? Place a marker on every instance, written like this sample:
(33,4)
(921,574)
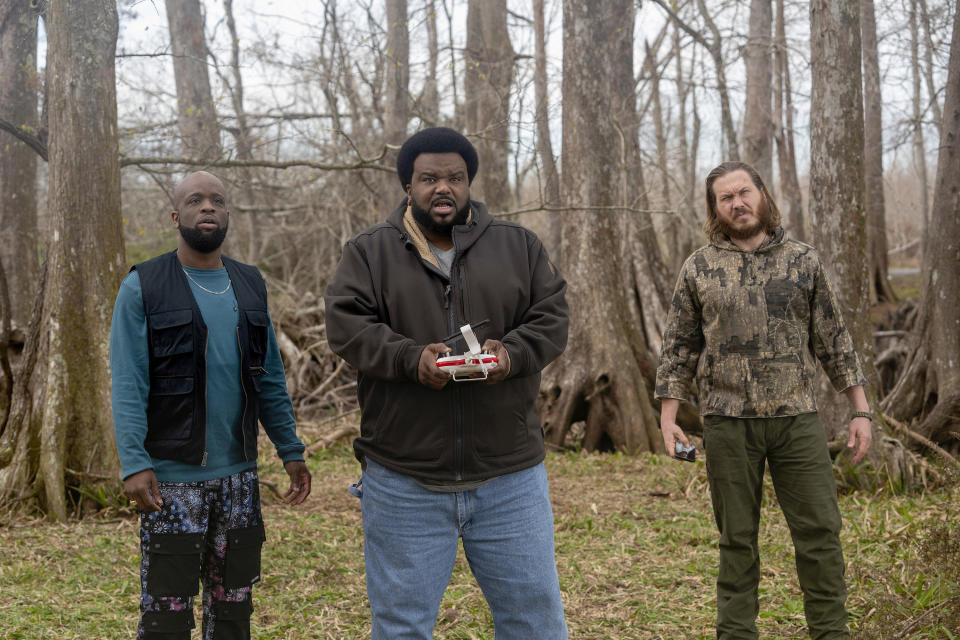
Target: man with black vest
(195,366)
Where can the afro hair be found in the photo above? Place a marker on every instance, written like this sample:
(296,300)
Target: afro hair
(435,140)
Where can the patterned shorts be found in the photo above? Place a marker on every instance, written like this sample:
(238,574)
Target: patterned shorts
(208,532)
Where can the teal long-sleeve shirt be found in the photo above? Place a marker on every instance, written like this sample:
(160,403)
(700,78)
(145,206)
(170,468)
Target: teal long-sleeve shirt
(129,360)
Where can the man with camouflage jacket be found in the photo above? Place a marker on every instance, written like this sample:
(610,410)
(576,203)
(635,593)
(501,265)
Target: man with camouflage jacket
(750,312)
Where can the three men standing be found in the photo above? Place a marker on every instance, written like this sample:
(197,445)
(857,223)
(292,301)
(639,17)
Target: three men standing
(195,366)
(751,312)
(447,460)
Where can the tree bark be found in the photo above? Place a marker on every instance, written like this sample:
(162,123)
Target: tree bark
(19,251)
(837,217)
(791,197)
(606,376)
(72,434)
(550,177)
(758,129)
(880,288)
(487,82)
(919,146)
(397,77)
(930,386)
(196,115)
(429,102)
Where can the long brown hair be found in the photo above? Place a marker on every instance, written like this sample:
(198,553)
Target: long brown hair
(711,226)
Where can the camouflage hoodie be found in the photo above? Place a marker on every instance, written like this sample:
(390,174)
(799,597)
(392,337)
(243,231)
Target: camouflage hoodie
(747,326)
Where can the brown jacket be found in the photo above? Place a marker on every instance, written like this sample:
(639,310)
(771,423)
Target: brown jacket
(387,301)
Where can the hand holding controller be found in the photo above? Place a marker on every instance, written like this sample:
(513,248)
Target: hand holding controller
(473,365)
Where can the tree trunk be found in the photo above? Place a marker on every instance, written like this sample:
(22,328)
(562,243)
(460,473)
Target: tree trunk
(930,386)
(428,105)
(880,289)
(488,80)
(758,129)
(606,376)
(69,441)
(397,77)
(919,147)
(837,218)
(196,115)
(791,197)
(19,251)
(550,177)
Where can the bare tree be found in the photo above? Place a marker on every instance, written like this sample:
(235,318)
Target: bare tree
(919,146)
(428,104)
(880,288)
(837,217)
(550,177)
(791,197)
(488,80)
(196,114)
(930,386)
(397,94)
(605,379)
(66,431)
(714,47)
(758,128)
(19,251)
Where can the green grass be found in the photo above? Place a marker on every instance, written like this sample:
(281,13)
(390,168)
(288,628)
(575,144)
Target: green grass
(636,550)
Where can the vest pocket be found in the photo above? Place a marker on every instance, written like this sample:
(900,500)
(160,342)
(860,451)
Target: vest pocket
(171,404)
(174,568)
(242,558)
(257,324)
(170,333)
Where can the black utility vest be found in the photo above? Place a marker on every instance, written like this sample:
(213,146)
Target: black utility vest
(177,335)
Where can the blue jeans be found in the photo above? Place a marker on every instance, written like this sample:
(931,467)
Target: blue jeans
(410,539)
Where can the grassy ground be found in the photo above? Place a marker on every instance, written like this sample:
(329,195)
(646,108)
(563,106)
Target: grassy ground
(636,549)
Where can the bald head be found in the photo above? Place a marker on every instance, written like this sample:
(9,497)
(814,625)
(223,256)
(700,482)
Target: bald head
(194,181)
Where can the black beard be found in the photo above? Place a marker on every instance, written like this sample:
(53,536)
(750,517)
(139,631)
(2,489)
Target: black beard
(422,216)
(202,242)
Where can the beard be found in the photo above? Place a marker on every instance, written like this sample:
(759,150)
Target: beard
(203,242)
(745,233)
(422,216)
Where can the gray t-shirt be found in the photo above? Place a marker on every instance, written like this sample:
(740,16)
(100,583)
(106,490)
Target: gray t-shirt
(445,258)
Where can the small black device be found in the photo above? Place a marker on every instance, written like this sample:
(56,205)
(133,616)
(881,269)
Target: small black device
(688,453)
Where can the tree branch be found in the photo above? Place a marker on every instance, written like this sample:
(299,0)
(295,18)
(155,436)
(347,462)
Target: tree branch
(368,163)
(35,142)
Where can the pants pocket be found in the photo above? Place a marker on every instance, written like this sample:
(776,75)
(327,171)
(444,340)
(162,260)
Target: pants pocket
(174,568)
(232,620)
(167,625)
(242,561)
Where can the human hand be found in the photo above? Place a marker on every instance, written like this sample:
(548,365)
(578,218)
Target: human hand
(861,434)
(502,369)
(428,373)
(672,434)
(143,491)
(299,482)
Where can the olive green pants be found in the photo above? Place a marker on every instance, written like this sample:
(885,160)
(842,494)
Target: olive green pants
(796,450)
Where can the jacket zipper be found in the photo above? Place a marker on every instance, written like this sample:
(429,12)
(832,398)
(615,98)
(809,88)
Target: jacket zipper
(457,392)
(206,342)
(243,415)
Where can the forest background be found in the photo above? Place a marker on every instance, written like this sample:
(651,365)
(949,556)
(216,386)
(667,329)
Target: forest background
(595,123)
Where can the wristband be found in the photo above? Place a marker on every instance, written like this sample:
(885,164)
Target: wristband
(863,414)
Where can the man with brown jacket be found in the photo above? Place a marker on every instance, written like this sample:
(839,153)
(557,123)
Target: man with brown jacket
(446,460)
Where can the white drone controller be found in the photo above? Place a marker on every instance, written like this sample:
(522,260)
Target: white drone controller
(472,365)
